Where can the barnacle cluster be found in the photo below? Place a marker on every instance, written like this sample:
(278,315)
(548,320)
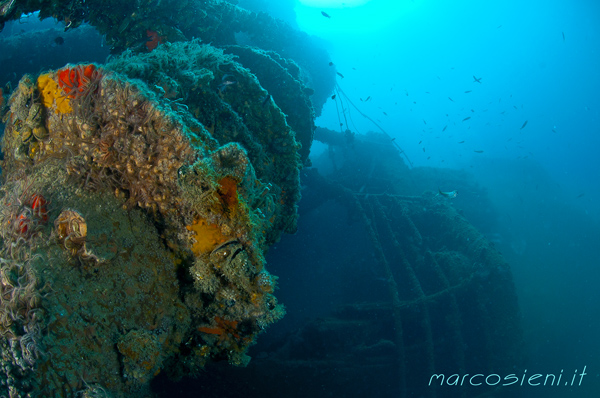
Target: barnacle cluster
(138,242)
(70,229)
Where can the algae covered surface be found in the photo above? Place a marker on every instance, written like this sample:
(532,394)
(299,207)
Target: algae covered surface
(138,200)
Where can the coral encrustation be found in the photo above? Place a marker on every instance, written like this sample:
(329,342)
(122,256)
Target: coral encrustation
(136,241)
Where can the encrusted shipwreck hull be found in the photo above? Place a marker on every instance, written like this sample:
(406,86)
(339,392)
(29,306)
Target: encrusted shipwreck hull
(133,224)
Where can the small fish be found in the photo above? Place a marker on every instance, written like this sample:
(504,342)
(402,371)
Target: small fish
(451,194)
(468,91)
(563,33)
(467,118)
(476,80)
(5,91)
(478,151)
(340,75)
(267,98)
(523,126)
(444,129)
(333,97)
(325,14)
(226,81)
(461,142)
(124,25)
(59,41)
(450,99)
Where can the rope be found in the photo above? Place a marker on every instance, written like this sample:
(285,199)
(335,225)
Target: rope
(339,89)
(338,112)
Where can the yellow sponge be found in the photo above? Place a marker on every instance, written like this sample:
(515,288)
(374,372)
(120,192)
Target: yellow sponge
(51,93)
(208,236)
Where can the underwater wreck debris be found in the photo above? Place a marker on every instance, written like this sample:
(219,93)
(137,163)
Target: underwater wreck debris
(176,203)
(446,283)
(448,269)
(194,72)
(451,301)
(141,26)
(282,79)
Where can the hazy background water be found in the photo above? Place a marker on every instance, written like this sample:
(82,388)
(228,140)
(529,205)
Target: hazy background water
(537,62)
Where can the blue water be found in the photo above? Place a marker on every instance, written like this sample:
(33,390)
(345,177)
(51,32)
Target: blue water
(507,91)
(411,57)
(538,63)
